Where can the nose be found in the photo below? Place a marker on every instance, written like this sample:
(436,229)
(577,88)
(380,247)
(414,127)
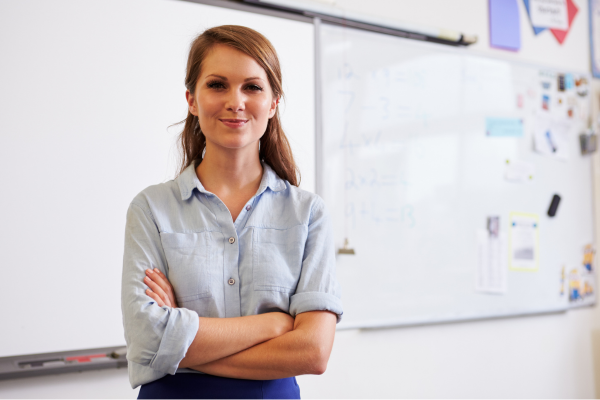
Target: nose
(236,102)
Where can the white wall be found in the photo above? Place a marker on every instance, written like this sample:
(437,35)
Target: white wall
(544,356)
(471,16)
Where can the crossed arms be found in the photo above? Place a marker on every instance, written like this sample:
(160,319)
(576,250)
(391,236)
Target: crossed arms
(266,346)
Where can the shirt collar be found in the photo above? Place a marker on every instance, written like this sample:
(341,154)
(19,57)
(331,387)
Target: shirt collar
(270,180)
(188,181)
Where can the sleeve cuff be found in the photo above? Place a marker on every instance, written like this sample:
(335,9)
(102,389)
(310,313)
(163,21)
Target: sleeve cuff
(316,301)
(175,341)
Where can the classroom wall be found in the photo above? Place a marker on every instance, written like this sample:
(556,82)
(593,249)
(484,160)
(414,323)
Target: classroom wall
(556,355)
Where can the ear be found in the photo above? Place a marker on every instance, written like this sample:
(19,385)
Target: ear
(273,108)
(191,103)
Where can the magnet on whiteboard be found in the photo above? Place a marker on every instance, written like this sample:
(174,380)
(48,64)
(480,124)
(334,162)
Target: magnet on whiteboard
(553,205)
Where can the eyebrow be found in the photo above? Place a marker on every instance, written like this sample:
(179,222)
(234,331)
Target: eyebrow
(224,78)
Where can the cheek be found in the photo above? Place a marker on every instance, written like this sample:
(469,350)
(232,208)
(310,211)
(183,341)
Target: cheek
(208,104)
(261,107)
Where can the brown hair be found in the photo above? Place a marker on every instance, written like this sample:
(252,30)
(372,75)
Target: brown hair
(274,147)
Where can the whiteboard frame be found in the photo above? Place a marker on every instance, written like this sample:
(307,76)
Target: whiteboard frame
(423,322)
(393,323)
(318,108)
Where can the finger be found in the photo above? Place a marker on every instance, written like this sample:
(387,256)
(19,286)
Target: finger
(155,297)
(157,276)
(161,282)
(170,291)
(160,279)
(157,290)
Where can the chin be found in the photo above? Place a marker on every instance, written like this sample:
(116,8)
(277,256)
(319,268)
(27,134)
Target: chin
(236,145)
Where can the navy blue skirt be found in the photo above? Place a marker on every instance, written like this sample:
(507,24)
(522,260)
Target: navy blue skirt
(202,386)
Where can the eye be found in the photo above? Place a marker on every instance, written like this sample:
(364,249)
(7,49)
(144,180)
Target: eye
(255,88)
(215,85)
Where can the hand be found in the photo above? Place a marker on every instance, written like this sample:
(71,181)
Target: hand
(282,322)
(159,288)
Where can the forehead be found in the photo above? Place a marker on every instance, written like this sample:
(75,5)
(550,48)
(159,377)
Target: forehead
(231,63)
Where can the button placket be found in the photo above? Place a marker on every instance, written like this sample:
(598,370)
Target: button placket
(232,304)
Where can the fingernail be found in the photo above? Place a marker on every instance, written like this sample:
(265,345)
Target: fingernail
(156,270)
(147,279)
(149,270)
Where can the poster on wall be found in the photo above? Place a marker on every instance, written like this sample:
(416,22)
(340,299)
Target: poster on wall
(595,36)
(581,279)
(554,15)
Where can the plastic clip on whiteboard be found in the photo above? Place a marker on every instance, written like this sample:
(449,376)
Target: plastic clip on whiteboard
(346,249)
(588,142)
(493,226)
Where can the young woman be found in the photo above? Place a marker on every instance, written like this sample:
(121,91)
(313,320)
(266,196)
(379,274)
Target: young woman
(229,287)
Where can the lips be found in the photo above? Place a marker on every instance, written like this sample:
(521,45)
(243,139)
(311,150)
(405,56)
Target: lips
(234,123)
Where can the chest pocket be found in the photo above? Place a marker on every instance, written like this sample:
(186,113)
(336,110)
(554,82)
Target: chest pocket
(277,258)
(191,265)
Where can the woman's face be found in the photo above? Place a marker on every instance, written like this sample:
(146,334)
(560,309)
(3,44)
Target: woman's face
(232,100)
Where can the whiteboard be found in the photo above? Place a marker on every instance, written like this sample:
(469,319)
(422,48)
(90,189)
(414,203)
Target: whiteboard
(410,176)
(89,90)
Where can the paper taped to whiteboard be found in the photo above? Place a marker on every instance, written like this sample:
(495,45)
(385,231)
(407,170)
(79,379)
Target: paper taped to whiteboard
(551,137)
(512,127)
(523,242)
(519,171)
(491,262)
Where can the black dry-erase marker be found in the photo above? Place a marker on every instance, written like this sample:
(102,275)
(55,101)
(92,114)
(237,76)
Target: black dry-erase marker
(553,205)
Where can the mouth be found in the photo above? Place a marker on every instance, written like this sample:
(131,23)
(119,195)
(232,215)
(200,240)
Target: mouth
(234,123)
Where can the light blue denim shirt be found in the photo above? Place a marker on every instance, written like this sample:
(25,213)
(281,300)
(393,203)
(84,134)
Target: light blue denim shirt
(277,256)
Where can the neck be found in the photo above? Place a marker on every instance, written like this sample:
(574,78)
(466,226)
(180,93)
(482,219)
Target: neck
(224,171)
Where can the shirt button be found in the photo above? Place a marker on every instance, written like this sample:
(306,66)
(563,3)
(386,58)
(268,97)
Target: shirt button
(231,281)
(248,208)
(232,240)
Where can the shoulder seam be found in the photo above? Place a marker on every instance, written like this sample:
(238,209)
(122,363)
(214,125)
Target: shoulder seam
(317,205)
(145,210)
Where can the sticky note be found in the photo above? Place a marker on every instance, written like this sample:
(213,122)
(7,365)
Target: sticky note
(505,28)
(508,127)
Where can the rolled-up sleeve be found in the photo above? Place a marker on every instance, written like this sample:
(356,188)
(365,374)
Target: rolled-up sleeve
(157,337)
(318,288)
